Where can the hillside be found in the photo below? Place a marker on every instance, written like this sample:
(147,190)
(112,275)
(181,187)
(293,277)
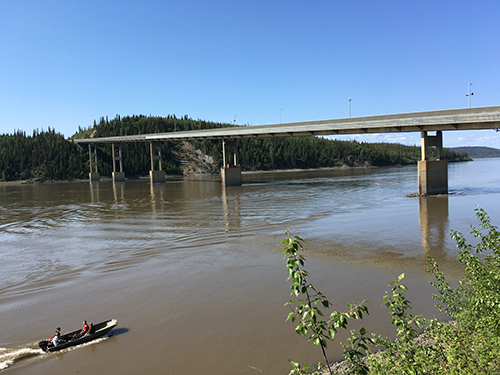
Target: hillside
(478,151)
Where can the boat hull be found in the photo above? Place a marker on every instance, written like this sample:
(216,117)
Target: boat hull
(72,338)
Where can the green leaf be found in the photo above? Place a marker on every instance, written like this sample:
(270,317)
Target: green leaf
(331,333)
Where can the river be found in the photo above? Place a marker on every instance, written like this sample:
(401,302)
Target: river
(194,273)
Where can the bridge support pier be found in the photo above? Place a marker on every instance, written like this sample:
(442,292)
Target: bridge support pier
(118,175)
(432,174)
(93,175)
(230,172)
(156,175)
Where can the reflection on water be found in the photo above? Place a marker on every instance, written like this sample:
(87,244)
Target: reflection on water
(94,191)
(156,192)
(231,208)
(119,192)
(433,220)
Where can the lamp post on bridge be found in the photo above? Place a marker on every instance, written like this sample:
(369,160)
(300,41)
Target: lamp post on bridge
(281,115)
(350,100)
(469,94)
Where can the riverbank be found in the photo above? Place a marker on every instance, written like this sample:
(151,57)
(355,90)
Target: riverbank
(294,170)
(343,167)
(341,367)
(36,182)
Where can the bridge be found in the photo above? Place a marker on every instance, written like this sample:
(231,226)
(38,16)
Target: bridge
(432,175)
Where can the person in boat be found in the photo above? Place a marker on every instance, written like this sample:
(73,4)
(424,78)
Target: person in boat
(85,329)
(58,330)
(91,330)
(57,340)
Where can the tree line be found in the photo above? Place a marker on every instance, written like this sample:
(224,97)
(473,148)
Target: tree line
(48,155)
(313,152)
(42,155)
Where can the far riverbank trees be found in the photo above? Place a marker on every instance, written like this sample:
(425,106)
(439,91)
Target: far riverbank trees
(42,155)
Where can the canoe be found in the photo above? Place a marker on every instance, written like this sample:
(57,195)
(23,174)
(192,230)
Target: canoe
(73,338)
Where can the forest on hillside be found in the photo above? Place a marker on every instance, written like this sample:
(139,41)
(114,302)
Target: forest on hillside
(41,155)
(479,151)
(47,155)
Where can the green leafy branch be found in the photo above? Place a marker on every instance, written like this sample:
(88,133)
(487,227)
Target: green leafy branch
(308,307)
(398,304)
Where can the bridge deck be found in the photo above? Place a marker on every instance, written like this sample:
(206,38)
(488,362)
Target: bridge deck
(455,119)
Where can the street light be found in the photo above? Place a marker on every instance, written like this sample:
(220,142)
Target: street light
(469,94)
(281,115)
(350,100)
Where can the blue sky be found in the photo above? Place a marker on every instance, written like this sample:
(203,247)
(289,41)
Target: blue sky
(65,63)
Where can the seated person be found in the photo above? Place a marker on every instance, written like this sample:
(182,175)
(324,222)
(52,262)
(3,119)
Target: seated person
(85,328)
(58,330)
(91,330)
(57,340)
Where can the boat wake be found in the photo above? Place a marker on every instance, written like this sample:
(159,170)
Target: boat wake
(9,356)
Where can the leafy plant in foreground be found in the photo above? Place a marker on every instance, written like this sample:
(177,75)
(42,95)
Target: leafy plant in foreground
(398,304)
(474,303)
(470,344)
(403,355)
(355,352)
(308,307)
(476,300)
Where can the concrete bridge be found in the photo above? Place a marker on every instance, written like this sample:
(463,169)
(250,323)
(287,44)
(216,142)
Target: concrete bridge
(432,175)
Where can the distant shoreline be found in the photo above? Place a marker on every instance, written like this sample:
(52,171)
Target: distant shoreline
(343,167)
(36,182)
(317,169)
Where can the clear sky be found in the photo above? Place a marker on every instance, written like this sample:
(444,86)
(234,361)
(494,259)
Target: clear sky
(64,63)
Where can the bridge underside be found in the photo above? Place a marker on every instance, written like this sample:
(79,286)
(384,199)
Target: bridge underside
(432,174)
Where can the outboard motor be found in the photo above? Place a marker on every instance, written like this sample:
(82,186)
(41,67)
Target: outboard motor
(43,345)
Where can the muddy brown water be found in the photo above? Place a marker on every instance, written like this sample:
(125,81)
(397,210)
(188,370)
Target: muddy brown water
(194,273)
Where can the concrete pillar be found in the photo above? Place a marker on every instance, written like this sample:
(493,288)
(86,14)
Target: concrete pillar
(118,173)
(432,141)
(432,174)
(432,177)
(231,176)
(230,172)
(156,175)
(424,145)
(93,175)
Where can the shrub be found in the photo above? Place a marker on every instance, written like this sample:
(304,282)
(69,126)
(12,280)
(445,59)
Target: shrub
(469,344)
